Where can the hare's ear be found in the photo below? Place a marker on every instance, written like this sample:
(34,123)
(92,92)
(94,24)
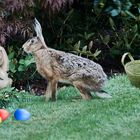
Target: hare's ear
(38,31)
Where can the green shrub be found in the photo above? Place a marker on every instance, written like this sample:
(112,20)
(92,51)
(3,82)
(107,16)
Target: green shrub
(113,27)
(6,95)
(20,66)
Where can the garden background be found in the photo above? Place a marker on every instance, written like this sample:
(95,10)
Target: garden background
(101,30)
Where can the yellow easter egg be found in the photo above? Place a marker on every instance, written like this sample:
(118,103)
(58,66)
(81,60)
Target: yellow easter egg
(0,120)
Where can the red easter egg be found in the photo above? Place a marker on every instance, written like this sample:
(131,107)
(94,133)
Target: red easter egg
(4,114)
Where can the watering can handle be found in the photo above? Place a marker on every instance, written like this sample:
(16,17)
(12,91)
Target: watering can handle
(124,56)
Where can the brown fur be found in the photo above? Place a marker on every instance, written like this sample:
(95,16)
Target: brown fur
(57,66)
(83,73)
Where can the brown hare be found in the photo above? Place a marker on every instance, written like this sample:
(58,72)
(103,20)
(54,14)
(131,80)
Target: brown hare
(4,64)
(57,66)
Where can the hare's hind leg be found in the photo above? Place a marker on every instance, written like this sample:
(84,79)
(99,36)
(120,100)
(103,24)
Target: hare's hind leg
(51,90)
(83,91)
(103,94)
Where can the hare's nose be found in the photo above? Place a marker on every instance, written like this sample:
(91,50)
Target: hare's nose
(23,47)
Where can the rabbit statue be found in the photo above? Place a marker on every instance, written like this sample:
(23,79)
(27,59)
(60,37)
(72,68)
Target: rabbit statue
(4,64)
(58,66)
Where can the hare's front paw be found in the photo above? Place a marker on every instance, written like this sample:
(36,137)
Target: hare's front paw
(49,97)
(53,99)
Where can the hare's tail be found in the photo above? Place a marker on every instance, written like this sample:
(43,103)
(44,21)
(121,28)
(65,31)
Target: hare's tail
(103,94)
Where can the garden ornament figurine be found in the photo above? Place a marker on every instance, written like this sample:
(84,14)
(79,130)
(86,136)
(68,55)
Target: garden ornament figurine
(4,67)
(58,66)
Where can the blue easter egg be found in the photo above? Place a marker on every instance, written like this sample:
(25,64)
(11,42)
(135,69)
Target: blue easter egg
(22,115)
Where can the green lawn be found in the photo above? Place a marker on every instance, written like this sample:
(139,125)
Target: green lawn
(71,118)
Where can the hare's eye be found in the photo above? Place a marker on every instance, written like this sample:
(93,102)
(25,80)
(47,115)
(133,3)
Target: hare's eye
(32,41)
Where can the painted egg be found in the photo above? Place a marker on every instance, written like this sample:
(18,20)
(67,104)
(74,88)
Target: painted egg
(0,120)
(22,115)
(4,114)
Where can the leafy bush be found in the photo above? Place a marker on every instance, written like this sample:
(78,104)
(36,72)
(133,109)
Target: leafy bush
(16,16)
(6,95)
(22,67)
(126,8)
(96,29)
